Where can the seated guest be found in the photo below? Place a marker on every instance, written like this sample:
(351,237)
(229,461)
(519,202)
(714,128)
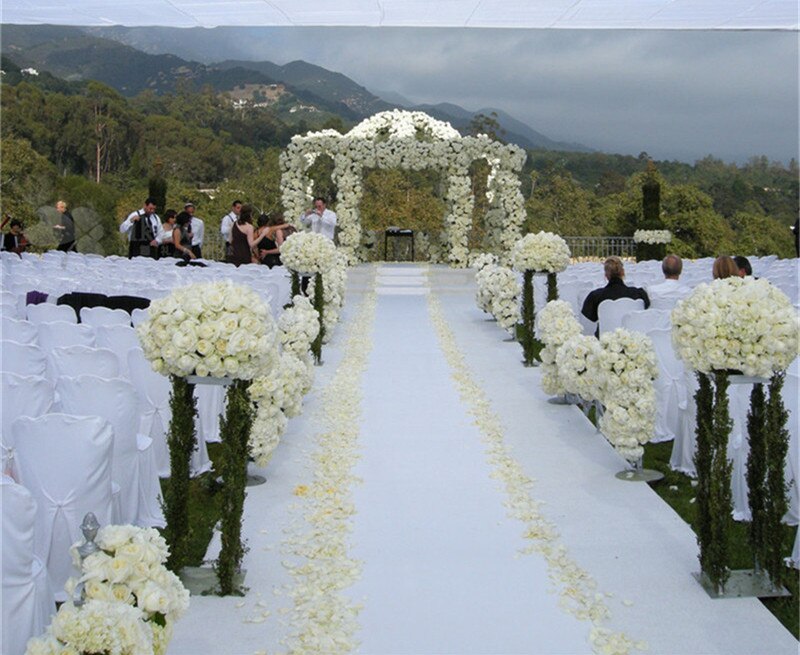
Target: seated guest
(743,264)
(665,294)
(14,240)
(615,289)
(723,267)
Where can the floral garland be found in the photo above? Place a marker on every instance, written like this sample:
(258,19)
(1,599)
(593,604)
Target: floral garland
(740,324)
(308,252)
(132,600)
(556,323)
(627,365)
(541,252)
(578,590)
(413,141)
(652,237)
(216,329)
(323,619)
(279,396)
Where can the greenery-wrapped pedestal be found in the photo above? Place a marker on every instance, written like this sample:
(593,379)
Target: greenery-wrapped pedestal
(526,331)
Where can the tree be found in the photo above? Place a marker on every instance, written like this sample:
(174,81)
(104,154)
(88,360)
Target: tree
(558,204)
(26,180)
(488,125)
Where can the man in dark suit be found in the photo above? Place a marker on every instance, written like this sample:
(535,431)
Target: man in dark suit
(14,240)
(616,288)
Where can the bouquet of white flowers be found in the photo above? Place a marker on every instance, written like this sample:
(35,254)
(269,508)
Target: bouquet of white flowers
(216,329)
(298,326)
(556,324)
(736,324)
(504,290)
(542,252)
(652,237)
(481,259)
(308,252)
(333,286)
(627,366)
(576,361)
(485,291)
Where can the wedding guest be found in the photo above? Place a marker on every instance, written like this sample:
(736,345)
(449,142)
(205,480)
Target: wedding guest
(227,223)
(14,240)
(198,230)
(182,236)
(321,219)
(142,227)
(615,289)
(270,238)
(243,239)
(723,267)
(66,226)
(665,294)
(743,264)
(164,238)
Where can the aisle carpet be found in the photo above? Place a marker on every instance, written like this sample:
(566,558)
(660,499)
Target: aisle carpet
(441,570)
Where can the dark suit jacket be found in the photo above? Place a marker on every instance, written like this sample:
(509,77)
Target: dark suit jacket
(615,289)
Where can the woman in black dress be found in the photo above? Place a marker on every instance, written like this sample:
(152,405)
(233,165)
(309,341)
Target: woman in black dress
(270,236)
(243,239)
(182,236)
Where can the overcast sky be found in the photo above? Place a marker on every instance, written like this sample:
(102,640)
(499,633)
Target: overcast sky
(675,94)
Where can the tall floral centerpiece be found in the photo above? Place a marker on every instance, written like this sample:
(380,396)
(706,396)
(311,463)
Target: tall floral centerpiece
(311,254)
(209,333)
(722,330)
(543,252)
(127,602)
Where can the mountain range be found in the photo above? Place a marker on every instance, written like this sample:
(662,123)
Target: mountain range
(296,90)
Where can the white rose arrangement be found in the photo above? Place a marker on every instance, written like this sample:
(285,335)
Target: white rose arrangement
(498,293)
(578,369)
(334,281)
(481,259)
(216,329)
(541,252)
(627,364)
(484,292)
(132,600)
(652,237)
(736,324)
(298,326)
(308,253)
(414,141)
(556,323)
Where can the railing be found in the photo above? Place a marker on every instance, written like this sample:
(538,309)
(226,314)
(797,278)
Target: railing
(601,247)
(213,245)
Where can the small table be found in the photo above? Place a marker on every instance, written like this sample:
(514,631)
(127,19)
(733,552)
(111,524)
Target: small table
(395,233)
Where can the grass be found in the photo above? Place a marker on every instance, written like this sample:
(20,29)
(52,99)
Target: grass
(677,491)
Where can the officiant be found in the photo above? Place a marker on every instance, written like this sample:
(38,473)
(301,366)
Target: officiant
(142,228)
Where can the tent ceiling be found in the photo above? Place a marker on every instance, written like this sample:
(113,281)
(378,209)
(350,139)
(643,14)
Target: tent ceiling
(560,14)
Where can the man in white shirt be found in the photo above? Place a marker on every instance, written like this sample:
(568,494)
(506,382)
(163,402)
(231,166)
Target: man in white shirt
(665,294)
(226,225)
(321,219)
(198,228)
(142,228)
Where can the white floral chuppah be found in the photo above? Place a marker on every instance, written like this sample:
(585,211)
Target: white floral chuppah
(414,141)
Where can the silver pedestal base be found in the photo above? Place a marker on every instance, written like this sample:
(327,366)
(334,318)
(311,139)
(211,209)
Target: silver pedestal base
(254,480)
(559,400)
(743,583)
(639,475)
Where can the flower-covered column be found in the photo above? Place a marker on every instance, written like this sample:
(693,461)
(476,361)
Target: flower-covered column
(508,213)
(459,217)
(347,175)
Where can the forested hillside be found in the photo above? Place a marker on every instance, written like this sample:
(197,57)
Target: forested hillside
(89,144)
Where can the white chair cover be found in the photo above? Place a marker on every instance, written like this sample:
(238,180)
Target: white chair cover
(739,448)
(23,359)
(83,360)
(611,312)
(65,462)
(60,334)
(210,404)
(670,386)
(97,316)
(19,330)
(23,395)
(120,339)
(791,400)
(10,310)
(134,465)
(646,320)
(27,596)
(138,316)
(47,312)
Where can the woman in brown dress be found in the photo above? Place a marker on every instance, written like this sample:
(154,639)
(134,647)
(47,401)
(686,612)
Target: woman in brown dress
(243,239)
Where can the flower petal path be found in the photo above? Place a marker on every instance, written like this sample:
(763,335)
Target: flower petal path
(444,568)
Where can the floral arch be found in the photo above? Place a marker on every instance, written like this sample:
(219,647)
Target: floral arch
(414,141)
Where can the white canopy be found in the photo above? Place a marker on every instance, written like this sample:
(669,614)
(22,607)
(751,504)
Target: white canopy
(559,14)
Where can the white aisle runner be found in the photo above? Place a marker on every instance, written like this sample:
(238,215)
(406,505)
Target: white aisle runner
(440,571)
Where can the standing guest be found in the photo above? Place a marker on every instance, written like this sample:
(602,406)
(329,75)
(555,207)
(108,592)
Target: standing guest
(743,264)
(142,228)
(182,236)
(243,239)
(724,267)
(665,294)
(320,218)
(796,230)
(198,230)
(66,226)
(270,239)
(164,238)
(615,289)
(227,223)
(14,240)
